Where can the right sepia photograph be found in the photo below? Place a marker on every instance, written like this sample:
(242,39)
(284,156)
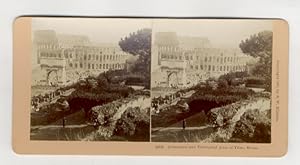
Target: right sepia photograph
(211,81)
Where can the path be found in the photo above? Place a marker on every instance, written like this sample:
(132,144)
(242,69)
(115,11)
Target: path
(179,128)
(75,129)
(40,127)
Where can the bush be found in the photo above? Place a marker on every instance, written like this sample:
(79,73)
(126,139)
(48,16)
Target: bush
(223,83)
(234,78)
(134,122)
(222,115)
(255,82)
(102,83)
(254,126)
(134,80)
(104,113)
(206,98)
(230,94)
(142,92)
(100,89)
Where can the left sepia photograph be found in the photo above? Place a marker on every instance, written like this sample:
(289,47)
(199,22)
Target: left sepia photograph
(90,79)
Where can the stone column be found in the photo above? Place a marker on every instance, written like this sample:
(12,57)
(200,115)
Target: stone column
(63,76)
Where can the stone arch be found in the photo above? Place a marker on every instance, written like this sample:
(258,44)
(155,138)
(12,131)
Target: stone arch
(51,81)
(172,79)
(54,71)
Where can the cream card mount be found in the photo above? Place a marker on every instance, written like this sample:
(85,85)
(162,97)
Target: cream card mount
(150,86)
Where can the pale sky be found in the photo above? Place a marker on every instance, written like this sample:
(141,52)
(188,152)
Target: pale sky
(100,30)
(220,32)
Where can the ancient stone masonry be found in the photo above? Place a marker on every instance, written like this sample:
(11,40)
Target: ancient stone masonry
(177,62)
(57,54)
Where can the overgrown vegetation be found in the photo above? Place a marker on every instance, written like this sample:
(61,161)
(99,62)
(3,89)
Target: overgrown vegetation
(254,126)
(260,46)
(214,98)
(88,93)
(134,124)
(139,44)
(232,79)
(204,99)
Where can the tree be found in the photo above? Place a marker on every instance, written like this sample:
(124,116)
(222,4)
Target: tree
(139,44)
(231,77)
(260,46)
(222,83)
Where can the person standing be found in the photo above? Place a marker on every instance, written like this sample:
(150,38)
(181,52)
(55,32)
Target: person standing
(64,105)
(64,121)
(183,124)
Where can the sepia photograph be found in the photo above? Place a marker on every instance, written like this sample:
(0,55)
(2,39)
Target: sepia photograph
(211,81)
(150,86)
(90,79)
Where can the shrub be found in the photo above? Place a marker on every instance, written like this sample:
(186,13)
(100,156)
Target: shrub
(231,94)
(234,78)
(254,126)
(255,82)
(222,115)
(104,113)
(134,80)
(133,122)
(206,98)
(222,83)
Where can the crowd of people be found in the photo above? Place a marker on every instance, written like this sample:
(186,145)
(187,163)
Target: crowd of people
(74,76)
(158,102)
(42,99)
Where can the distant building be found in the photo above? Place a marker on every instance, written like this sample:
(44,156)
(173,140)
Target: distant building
(73,53)
(185,61)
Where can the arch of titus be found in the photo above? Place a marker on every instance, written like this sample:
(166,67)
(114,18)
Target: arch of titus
(59,59)
(55,67)
(185,61)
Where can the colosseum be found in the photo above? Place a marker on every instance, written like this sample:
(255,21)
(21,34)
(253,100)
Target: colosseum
(179,61)
(60,58)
